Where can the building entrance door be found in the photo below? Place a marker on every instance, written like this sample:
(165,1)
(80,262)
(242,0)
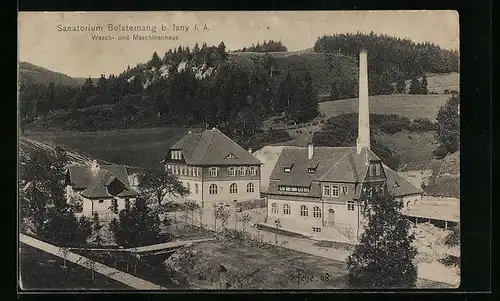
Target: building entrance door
(331,217)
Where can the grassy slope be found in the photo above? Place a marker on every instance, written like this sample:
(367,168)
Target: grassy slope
(411,106)
(31,73)
(136,147)
(440,82)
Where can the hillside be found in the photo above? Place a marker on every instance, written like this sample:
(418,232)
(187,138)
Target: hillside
(29,73)
(134,147)
(411,106)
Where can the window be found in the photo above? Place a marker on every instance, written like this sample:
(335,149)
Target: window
(274,208)
(311,170)
(287,169)
(286,209)
(101,201)
(188,186)
(350,205)
(281,188)
(316,229)
(253,171)
(316,212)
(377,170)
(114,203)
(231,156)
(335,191)
(169,167)
(176,155)
(243,171)
(288,188)
(344,190)
(326,190)
(373,169)
(306,189)
(213,171)
(233,188)
(231,171)
(250,187)
(196,188)
(304,211)
(294,189)
(212,189)
(198,171)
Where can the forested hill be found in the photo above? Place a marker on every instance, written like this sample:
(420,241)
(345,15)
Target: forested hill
(29,73)
(208,86)
(390,57)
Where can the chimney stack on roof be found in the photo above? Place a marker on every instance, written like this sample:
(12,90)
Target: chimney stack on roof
(310,150)
(249,150)
(94,168)
(363,140)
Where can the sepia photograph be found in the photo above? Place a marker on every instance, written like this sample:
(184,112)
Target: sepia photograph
(238,150)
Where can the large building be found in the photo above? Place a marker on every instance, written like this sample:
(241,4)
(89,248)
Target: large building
(214,168)
(316,189)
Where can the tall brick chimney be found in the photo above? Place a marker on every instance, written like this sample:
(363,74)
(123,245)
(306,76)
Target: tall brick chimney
(363,140)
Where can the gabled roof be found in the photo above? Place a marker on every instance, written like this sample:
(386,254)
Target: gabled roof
(403,187)
(340,164)
(80,176)
(212,147)
(96,186)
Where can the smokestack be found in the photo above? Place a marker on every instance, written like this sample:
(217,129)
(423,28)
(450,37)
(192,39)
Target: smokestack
(364,106)
(310,150)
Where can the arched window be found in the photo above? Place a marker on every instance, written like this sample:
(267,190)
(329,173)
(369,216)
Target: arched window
(250,187)
(274,208)
(233,188)
(212,189)
(316,211)
(196,188)
(304,211)
(286,209)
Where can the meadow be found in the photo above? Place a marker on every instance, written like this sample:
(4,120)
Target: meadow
(134,147)
(411,106)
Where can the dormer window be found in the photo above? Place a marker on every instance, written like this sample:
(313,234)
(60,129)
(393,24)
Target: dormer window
(176,155)
(287,170)
(311,170)
(230,156)
(396,184)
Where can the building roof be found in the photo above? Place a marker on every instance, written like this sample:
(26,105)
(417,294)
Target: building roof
(212,147)
(334,164)
(96,186)
(398,185)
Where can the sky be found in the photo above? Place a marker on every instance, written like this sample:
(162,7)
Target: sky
(43,41)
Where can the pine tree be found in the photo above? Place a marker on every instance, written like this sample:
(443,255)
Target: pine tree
(155,61)
(423,86)
(384,256)
(415,87)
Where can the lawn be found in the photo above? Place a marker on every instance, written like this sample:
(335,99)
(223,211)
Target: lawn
(135,147)
(43,271)
(411,106)
(440,82)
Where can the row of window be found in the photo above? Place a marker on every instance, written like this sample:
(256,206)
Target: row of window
(233,188)
(231,171)
(176,155)
(304,211)
(184,170)
(293,188)
(334,190)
